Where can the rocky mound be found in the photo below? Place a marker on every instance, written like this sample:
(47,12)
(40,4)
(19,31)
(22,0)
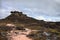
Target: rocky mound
(20,18)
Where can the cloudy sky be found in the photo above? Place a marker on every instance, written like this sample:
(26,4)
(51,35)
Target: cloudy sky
(48,10)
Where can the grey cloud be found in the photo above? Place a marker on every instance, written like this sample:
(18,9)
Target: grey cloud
(50,7)
(36,7)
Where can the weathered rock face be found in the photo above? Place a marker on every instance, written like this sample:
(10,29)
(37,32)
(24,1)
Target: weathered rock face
(17,14)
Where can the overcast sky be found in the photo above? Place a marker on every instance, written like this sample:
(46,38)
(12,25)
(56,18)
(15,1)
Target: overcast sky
(48,10)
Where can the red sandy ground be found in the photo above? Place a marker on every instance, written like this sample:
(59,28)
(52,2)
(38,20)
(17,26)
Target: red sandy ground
(20,36)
